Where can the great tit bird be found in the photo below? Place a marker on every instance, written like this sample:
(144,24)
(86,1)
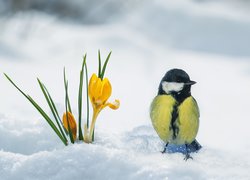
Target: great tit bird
(174,112)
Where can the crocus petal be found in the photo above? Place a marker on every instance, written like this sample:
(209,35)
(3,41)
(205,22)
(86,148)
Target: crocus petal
(92,86)
(72,124)
(92,81)
(97,89)
(106,90)
(115,105)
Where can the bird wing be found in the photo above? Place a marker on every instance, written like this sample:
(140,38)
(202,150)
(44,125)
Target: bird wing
(161,115)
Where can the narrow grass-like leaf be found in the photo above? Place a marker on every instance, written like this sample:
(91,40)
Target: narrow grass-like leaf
(99,64)
(67,107)
(87,92)
(46,117)
(80,107)
(105,65)
(40,110)
(66,90)
(15,86)
(67,118)
(52,108)
(80,99)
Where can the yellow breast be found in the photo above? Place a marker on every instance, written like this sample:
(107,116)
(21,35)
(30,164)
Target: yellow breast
(188,121)
(161,115)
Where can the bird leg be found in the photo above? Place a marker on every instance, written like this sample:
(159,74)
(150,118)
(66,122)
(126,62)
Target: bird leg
(187,156)
(165,148)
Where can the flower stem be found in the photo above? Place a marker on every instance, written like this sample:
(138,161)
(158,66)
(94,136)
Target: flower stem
(92,126)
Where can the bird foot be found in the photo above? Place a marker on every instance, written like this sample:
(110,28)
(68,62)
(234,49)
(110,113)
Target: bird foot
(188,157)
(164,151)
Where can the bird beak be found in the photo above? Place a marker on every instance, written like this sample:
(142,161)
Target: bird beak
(190,83)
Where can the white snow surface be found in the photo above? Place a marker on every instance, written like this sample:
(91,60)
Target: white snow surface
(205,39)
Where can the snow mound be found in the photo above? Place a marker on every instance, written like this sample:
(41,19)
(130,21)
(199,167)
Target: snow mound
(132,155)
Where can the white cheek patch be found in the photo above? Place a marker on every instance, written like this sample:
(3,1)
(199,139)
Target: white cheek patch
(172,86)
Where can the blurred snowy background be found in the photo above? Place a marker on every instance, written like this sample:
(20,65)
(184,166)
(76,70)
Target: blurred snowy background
(207,38)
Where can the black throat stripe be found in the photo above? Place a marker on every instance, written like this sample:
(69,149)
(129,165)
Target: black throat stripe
(174,126)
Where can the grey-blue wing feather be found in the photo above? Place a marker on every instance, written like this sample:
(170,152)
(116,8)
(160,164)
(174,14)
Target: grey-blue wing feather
(193,147)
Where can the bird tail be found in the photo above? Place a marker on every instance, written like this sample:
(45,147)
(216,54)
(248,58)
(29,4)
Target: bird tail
(194,146)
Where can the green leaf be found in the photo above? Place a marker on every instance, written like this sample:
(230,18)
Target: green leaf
(80,98)
(15,85)
(67,118)
(46,117)
(40,110)
(52,106)
(100,64)
(66,90)
(87,91)
(67,106)
(105,65)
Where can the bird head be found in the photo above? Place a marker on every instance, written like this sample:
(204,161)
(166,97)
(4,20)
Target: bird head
(176,82)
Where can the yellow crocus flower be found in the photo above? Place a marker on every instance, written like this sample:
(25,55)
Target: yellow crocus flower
(72,124)
(99,93)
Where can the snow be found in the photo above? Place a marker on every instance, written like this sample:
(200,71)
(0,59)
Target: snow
(133,155)
(205,39)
